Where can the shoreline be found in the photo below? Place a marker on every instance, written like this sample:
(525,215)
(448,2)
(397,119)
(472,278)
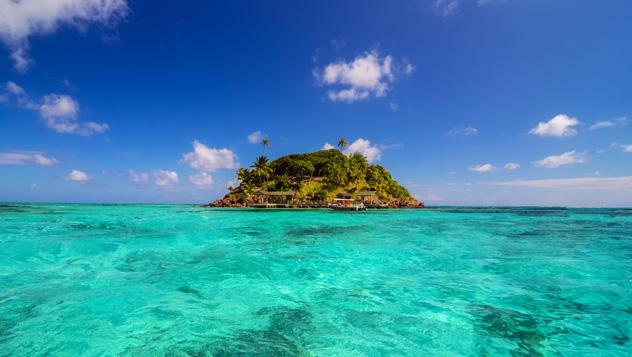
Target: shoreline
(304,206)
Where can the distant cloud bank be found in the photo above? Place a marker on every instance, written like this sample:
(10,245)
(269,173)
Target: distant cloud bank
(26,158)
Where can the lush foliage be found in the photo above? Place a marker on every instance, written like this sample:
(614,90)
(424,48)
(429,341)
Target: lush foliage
(319,175)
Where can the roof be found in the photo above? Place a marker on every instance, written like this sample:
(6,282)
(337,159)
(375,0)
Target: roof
(275,193)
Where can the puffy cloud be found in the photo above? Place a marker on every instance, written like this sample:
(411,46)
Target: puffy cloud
(364,76)
(560,126)
(482,168)
(59,112)
(78,176)
(255,137)
(138,177)
(609,123)
(623,183)
(21,19)
(567,158)
(372,153)
(164,178)
(511,166)
(460,131)
(327,146)
(26,158)
(445,7)
(201,180)
(209,159)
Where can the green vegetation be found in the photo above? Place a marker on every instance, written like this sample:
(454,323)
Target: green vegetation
(318,177)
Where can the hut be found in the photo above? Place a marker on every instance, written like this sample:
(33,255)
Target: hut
(273,198)
(367,196)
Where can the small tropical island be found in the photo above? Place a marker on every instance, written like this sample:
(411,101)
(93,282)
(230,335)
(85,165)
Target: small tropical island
(321,179)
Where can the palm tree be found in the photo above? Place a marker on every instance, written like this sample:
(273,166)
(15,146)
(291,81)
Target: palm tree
(265,142)
(243,175)
(342,143)
(261,168)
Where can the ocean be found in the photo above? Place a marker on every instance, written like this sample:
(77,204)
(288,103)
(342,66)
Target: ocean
(178,280)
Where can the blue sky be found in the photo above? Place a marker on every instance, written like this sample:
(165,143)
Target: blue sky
(466,102)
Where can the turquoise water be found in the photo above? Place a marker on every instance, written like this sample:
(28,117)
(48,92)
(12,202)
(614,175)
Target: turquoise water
(182,280)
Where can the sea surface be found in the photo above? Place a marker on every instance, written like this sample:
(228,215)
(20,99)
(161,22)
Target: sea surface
(176,280)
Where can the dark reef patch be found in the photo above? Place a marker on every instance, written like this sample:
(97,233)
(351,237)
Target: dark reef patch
(511,325)
(12,313)
(322,230)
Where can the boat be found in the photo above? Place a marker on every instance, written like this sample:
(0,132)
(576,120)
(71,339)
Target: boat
(346,204)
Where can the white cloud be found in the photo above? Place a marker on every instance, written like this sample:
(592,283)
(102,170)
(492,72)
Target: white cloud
(567,158)
(23,101)
(22,19)
(609,123)
(210,159)
(78,176)
(164,178)
(602,124)
(26,158)
(445,7)
(255,137)
(585,183)
(91,127)
(511,166)
(14,89)
(327,146)
(560,126)
(394,106)
(482,168)
(461,131)
(371,152)
(201,180)
(59,112)
(364,76)
(138,177)
(409,68)
(623,147)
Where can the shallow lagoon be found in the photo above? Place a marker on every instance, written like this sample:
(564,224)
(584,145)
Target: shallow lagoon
(183,280)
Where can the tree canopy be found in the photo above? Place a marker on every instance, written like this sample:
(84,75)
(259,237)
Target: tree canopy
(319,175)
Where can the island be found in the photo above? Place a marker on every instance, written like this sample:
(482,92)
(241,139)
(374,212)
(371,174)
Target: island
(316,180)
